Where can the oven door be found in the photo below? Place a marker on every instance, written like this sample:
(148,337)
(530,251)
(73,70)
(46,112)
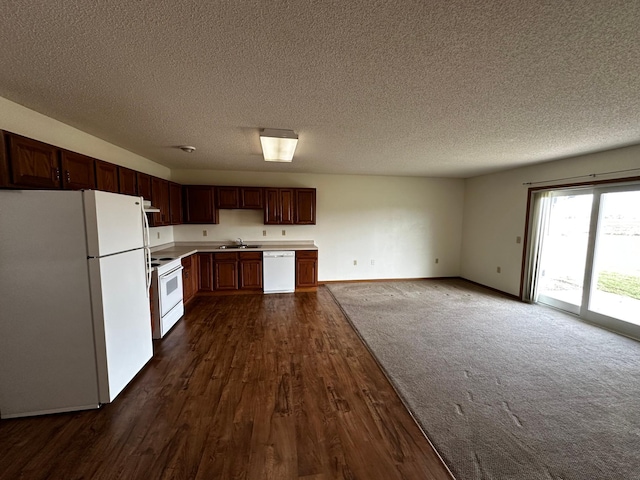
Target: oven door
(170,290)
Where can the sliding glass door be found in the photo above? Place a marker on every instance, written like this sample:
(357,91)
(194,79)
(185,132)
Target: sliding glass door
(565,239)
(615,278)
(588,258)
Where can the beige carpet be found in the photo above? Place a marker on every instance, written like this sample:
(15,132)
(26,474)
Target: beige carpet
(504,390)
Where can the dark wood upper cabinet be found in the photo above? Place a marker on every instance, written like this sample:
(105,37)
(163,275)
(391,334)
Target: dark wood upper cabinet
(160,199)
(4,161)
(175,203)
(227,197)
(271,206)
(32,163)
(144,185)
(305,206)
(199,204)
(107,177)
(251,197)
(286,206)
(78,171)
(128,181)
(278,206)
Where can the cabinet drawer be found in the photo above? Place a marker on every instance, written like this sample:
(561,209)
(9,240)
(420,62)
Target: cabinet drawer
(225,256)
(306,254)
(250,255)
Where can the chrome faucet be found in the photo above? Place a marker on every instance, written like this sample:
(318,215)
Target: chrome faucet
(240,242)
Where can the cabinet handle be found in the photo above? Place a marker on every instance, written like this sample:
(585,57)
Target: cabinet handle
(57,173)
(68,177)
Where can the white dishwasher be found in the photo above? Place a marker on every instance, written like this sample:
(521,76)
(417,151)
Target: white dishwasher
(279,271)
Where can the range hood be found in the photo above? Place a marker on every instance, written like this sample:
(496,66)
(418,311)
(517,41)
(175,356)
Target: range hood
(148,208)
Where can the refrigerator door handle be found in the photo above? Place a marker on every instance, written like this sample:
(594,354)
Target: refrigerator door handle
(145,220)
(147,257)
(146,239)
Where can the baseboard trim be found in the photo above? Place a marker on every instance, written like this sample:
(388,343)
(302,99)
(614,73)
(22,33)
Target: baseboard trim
(370,280)
(510,295)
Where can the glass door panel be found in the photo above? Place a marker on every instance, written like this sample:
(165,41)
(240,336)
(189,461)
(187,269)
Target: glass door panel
(564,251)
(615,281)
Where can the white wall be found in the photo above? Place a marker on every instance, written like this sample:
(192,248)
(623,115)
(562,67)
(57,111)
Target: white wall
(23,121)
(495,212)
(401,223)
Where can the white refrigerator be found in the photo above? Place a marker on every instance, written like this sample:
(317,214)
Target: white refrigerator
(75,323)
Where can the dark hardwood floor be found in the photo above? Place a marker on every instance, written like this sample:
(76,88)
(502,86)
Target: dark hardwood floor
(244,387)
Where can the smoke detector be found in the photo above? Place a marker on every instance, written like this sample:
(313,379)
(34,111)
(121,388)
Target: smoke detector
(187,148)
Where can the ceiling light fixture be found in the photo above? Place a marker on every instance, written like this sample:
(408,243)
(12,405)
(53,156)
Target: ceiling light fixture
(278,145)
(187,148)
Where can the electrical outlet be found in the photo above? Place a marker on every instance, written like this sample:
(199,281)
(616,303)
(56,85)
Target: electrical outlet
(264,233)
(158,235)
(204,233)
(499,270)
(518,239)
(355,262)
(437,260)
(284,232)
(373,262)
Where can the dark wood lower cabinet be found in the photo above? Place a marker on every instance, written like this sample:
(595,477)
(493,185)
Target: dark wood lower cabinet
(205,272)
(190,277)
(306,269)
(225,271)
(230,271)
(250,271)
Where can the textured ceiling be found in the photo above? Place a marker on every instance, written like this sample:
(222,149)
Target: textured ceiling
(430,88)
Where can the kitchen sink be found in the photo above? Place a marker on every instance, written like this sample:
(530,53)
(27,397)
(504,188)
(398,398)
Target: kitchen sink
(238,246)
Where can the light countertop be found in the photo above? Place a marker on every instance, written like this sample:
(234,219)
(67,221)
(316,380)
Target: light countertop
(181,250)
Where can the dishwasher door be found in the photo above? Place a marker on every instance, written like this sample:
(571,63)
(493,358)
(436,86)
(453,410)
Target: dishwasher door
(279,271)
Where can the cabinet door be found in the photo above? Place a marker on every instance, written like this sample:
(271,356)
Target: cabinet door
(227,197)
(107,176)
(78,171)
(271,206)
(33,163)
(199,206)
(251,274)
(225,274)
(4,161)
(305,206)
(195,278)
(286,206)
(175,203)
(251,197)
(205,269)
(187,278)
(250,270)
(144,185)
(128,181)
(160,199)
(306,269)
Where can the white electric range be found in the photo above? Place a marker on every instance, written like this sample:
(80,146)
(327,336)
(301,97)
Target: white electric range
(166,284)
